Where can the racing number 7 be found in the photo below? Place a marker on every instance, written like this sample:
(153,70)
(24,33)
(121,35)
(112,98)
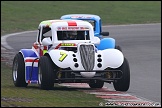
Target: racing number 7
(63,56)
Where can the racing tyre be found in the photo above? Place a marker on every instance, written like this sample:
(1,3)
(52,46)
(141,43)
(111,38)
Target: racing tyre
(18,71)
(46,74)
(123,83)
(118,47)
(96,84)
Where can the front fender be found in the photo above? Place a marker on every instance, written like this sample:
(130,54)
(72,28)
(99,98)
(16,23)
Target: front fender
(65,59)
(106,43)
(30,57)
(109,58)
(28,53)
(112,58)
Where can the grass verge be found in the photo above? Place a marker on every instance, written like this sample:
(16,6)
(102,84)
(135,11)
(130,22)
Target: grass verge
(26,15)
(33,96)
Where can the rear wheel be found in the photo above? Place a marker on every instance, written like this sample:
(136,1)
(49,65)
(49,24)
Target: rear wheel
(96,84)
(46,75)
(118,47)
(18,71)
(123,83)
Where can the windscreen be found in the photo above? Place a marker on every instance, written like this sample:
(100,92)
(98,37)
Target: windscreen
(92,22)
(73,35)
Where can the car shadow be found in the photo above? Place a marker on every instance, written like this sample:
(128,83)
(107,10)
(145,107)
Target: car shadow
(59,88)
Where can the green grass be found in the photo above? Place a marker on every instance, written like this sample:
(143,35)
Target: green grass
(33,96)
(26,15)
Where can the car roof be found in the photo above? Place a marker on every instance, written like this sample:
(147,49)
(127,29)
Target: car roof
(50,22)
(65,23)
(80,16)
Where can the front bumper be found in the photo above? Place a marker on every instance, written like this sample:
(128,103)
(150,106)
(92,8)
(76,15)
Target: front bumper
(76,77)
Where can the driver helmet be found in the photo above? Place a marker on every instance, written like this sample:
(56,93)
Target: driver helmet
(71,35)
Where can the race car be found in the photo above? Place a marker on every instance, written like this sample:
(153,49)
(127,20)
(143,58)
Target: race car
(66,51)
(96,22)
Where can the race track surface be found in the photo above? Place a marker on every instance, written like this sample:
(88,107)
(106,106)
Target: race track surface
(141,45)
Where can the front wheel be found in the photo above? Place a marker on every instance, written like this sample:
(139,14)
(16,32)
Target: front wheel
(123,83)
(46,73)
(18,71)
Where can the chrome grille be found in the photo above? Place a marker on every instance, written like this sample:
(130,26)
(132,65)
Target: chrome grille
(87,53)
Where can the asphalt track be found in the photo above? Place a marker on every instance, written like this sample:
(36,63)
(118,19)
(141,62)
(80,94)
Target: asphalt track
(141,45)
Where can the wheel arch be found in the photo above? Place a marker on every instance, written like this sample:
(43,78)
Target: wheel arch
(48,55)
(31,65)
(106,43)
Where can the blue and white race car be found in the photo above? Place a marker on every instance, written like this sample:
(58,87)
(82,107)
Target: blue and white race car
(66,51)
(96,22)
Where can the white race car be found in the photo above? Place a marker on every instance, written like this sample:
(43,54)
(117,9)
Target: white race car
(66,51)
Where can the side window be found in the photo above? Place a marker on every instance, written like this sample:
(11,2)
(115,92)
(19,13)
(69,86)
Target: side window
(100,26)
(93,23)
(94,26)
(46,32)
(38,36)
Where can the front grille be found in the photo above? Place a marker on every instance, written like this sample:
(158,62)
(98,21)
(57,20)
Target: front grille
(87,53)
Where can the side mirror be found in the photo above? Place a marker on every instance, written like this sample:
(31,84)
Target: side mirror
(96,40)
(46,41)
(104,33)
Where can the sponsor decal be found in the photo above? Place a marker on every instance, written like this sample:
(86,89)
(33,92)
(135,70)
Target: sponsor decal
(72,28)
(83,17)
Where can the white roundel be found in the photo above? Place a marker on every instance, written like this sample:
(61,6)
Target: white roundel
(88,74)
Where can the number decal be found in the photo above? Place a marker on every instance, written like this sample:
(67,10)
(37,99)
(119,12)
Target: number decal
(63,56)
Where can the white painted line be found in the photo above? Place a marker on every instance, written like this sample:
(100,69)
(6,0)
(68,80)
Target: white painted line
(4,43)
(98,93)
(3,38)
